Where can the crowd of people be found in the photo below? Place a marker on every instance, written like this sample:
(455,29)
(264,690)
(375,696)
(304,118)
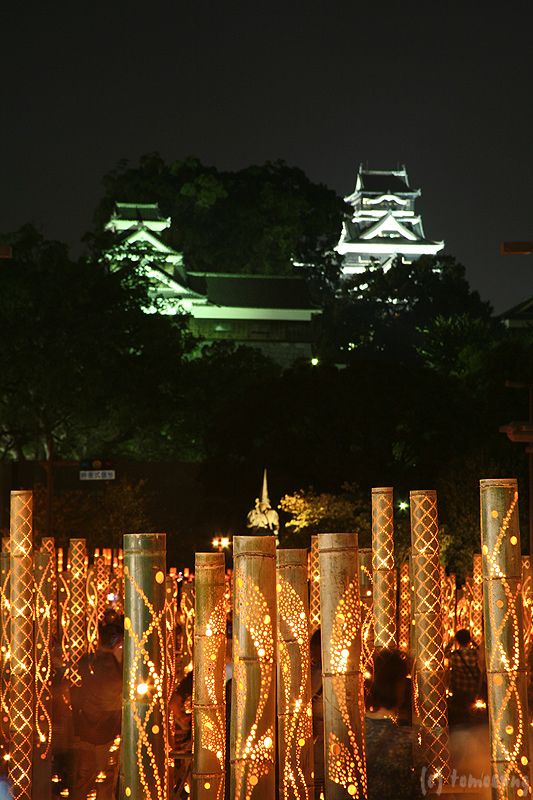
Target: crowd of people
(87,719)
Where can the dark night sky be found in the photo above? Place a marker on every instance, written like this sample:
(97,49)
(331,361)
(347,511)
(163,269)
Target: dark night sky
(444,87)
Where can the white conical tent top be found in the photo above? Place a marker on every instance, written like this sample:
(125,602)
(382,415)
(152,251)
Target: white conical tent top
(264,490)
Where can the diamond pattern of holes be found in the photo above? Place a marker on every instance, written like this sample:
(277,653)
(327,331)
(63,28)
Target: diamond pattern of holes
(404,611)
(430,690)
(153,775)
(509,718)
(385,610)
(5,644)
(314,587)
(448,606)
(43,665)
(382,532)
(102,584)
(21,685)
(77,609)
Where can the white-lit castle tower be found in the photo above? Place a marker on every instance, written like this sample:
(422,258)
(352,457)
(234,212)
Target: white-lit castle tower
(383,223)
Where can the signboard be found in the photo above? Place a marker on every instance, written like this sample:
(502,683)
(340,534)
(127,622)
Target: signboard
(97,474)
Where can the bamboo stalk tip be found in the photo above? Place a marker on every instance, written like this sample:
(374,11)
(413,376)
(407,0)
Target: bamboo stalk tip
(502,483)
(382,490)
(144,542)
(254,545)
(209,560)
(337,541)
(292,557)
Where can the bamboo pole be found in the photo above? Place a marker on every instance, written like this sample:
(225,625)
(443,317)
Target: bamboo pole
(48,545)
(171,615)
(77,608)
(384,576)
(209,691)
(92,611)
(404,610)
(429,651)
(342,680)
(42,751)
(527,600)
(5,647)
(102,584)
(22,641)
(63,609)
(476,603)
(253,689)
(187,622)
(504,644)
(144,710)
(447,586)
(295,724)
(367,617)
(314,586)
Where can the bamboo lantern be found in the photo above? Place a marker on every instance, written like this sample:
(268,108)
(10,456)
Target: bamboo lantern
(476,603)
(295,723)
(209,692)
(342,679)
(5,645)
(462,609)
(102,584)
(504,644)
(404,610)
(22,644)
(253,695)
(144,710)
(171,615)
(527,600)
(48,545)
(367,619)
(430,693)
(42,752)
(92,611)
(187,622)
(63,608)
(448,606)
(314,586)
(77,608)
(384,576)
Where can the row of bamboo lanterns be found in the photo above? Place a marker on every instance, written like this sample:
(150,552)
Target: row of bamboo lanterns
(273,615)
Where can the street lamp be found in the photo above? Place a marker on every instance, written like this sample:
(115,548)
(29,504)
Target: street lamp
(221,543)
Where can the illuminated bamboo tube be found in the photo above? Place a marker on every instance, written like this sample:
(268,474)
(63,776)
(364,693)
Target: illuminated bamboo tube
(384,576)
(92,611)
(314,586)
(527,600)
(187,623)
(504,644)
(48,545)
(342,679)
(209,693)
(42,751)
(77,608)
(253,688)
(476,604)
(295,723)
(5,646)
(367,617)
(430,692)
(404,609)
(171,616)
(447,586)
(22,642)
(144,761)
(102,584)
